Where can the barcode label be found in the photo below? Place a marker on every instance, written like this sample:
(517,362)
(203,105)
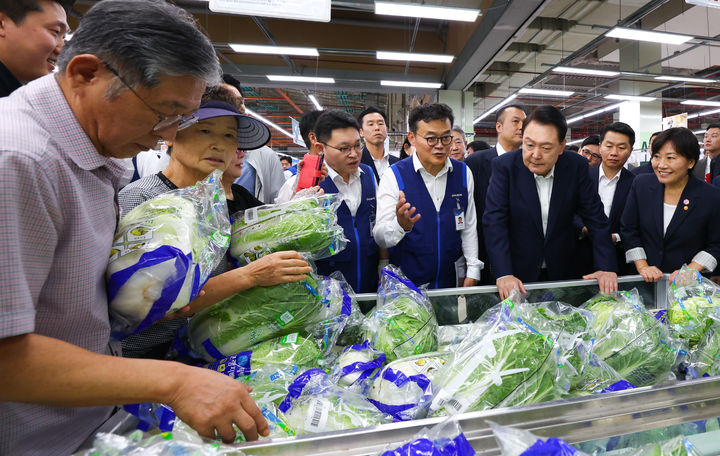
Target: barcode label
(455,405)
(220,239)
(285,318)
(251,216)
(317,416)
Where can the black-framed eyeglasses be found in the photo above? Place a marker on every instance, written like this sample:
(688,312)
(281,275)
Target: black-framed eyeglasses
(357,147)
(588,154)
(164,121)
(433,140)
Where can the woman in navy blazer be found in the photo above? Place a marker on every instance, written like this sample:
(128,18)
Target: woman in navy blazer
(672,218)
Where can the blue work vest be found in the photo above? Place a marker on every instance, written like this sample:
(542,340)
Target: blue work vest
(428,253)
(359,260)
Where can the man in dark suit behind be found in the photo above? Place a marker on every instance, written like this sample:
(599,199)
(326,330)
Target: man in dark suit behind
(534,194)
(612,182)
(508,124)
(373,130)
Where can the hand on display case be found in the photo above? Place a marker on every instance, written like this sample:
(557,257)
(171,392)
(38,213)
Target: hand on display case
(649,273)
(507,284)
(607,281)
(468,282)
(406,215)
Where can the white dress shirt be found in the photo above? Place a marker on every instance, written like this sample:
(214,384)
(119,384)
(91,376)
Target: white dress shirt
(350,192)
(382,164)
(668,212)
(388,232)
(606,189)
(544,186)
(500,149)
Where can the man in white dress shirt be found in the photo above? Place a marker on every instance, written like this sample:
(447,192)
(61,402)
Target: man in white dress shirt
(373,130)
(426,210)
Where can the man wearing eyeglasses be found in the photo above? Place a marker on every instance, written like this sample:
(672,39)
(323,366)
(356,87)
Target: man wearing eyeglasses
(120,87)
(424,212)
(337,136)
(590,149)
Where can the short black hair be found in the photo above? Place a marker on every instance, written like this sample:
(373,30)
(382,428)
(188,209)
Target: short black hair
(622,128)
(333,119)
(233,81)
(307,125)
(17,10)
(478,146)
(429,112)
(286,158)
(592,140)
(712,125)
(548,115)
(683,140)
(370,110)
(500,111)
(654,134)
(572,147)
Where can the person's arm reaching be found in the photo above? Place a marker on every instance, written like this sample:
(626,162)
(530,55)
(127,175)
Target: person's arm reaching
(43,370)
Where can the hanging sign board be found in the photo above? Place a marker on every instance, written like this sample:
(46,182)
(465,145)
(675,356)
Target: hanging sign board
(710,3)
(297,137)
(679,120)
(301,10)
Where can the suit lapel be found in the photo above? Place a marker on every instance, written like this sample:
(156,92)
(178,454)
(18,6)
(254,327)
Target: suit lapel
(368,160)
(621,193)
(681,214)
(528,191)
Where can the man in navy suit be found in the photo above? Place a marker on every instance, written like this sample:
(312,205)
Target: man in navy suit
(508,124)
(534,194)
(373,129)
(613,184)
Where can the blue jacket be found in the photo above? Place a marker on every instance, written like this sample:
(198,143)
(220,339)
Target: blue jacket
(513,222)
(690,231)
(618,205)
(359,260)
(428,253)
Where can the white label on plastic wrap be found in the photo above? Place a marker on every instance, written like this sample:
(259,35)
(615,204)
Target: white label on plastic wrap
(290,339)
(139,233)
(316,419)
(220,239)
(424,365)
(285,318)
(251,215)
(452,404)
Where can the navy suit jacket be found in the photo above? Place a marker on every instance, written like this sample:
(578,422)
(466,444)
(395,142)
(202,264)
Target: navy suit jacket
(479,164)
(616,210)
(643,169)
(513,224)
(690,231)
(367,159)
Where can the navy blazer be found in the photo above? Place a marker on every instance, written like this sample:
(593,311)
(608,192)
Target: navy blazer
(690,231)
(513,224)
(645,168)
(479,164)
(616,210)
(367,159)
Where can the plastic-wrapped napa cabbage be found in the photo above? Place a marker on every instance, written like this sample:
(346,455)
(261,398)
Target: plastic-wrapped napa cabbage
(163,253)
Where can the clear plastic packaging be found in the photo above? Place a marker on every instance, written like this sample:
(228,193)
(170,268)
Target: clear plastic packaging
(403,323)
(449,336)
(443,439)
(404,387)
(164,251)
(704,361)
(305,224)
(518,442)
(356,364)
(692,305)
(252,316)
(631,340)
(314,405)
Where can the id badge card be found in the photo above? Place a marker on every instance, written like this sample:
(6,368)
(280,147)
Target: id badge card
(459,220)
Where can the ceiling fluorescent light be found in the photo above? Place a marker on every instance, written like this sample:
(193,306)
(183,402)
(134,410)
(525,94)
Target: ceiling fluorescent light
(300,79)
(700,132)
(425,85)
(262,119)
(427,12)
(593,113)
(681,79)
(646,35)
(629,98)
(281,50)
(414,57)
(703,113)
(315,102)
(700,103)
(544,92)
(586,71)
(570,143)
(495,108)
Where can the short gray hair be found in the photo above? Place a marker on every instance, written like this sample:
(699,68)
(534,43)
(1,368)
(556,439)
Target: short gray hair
(458,129)
(143,40)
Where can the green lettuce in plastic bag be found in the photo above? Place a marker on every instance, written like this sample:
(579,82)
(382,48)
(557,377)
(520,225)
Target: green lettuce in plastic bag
(691,310)
(307,224)
(403,323)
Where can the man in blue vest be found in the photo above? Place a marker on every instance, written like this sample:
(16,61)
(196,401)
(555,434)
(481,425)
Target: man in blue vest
(424,212)
(337,136)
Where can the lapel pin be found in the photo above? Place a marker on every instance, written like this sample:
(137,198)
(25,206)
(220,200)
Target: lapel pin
(686,201)
(685,208)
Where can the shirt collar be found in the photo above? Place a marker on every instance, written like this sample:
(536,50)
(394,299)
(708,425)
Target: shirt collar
(550,175)
(447,167)
(47,98)
(604,176)
(333,175)
(500,149)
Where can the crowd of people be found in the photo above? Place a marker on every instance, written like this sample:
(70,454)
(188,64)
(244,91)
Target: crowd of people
(79,122)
